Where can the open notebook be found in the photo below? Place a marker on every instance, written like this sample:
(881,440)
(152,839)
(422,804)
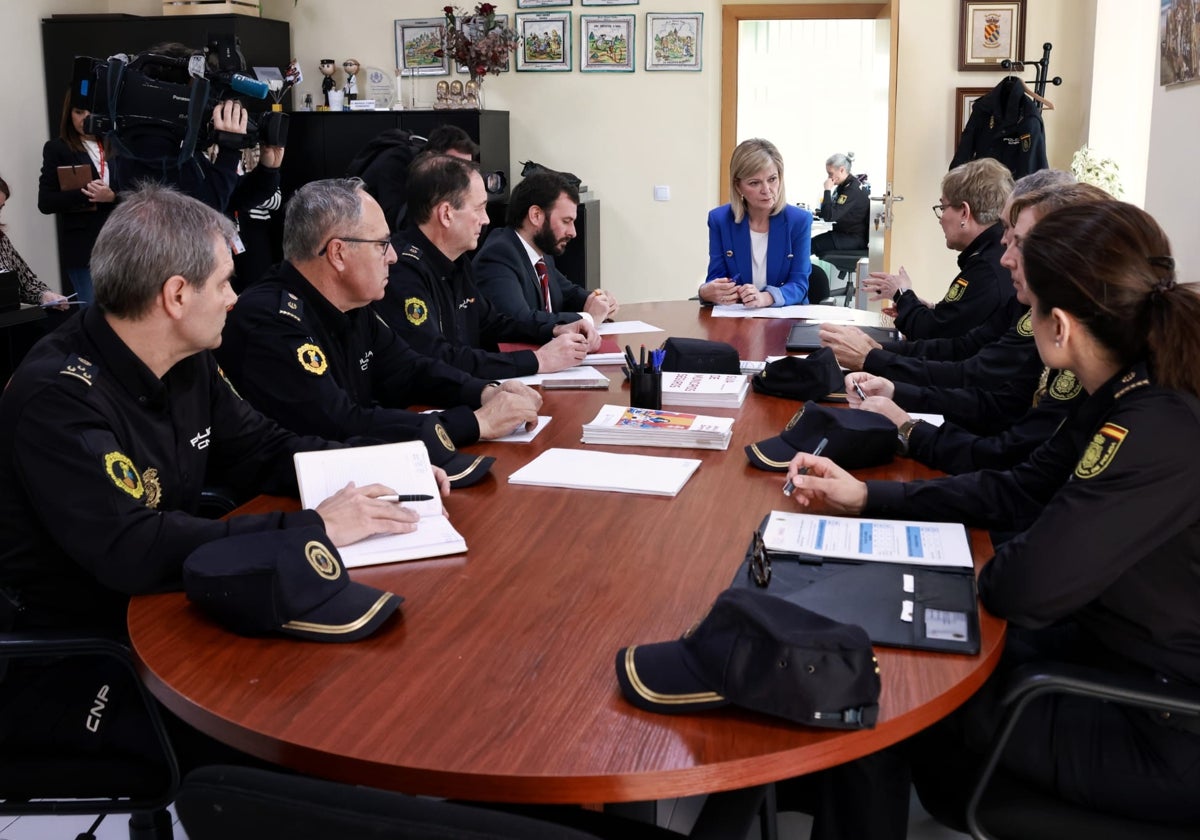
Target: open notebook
(402,466)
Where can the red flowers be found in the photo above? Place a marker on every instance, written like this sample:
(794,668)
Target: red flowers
(477,41)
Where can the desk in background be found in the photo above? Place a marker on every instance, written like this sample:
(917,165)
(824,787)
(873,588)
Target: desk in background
(498,683)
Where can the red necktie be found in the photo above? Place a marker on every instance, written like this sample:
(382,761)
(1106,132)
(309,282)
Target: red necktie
(544,278)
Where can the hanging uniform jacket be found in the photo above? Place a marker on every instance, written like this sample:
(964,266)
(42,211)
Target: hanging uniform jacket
(1005,124)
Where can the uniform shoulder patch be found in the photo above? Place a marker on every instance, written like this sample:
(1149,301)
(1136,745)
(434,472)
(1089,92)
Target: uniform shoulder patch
(80,368)
(415,311)
(412,252)
(124,474)
(1066,386)
(1101,450)
(1025,325)
(291,306)
(312,359)
(841,199)
(957,289)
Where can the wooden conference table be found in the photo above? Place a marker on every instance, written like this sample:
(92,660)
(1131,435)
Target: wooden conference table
(498,683)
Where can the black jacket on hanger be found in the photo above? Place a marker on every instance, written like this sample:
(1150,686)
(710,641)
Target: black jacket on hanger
(1005,124)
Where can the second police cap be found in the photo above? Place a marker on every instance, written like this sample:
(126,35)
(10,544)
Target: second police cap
(857,438)
(289,582)
(797,378)
(761,653)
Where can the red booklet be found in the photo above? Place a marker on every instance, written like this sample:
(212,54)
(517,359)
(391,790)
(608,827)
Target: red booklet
(608,344)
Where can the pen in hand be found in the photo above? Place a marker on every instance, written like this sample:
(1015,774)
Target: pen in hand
(392,497)
(858,390)
(788,486)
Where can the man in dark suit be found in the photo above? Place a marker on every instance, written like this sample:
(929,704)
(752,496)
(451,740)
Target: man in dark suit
(541,221)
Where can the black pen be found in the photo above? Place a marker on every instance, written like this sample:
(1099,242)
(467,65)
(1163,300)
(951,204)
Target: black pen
(788,487)
(858,390)
(392,497)
(632,361)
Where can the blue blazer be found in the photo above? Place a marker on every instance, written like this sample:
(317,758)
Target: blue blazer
(788,262)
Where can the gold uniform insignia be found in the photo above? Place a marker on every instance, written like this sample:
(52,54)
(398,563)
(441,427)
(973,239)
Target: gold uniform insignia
(312,359)
(321,560)
(416,311)
(153,487)
(124,474)
(1066,386)
(1101,451)
(957,289)
(80,368)
(444,437)
(841,199)
(795,419)
(225,379)
(1025,325)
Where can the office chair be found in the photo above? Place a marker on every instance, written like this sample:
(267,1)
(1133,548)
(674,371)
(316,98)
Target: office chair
(35,783)
(1004,808)
(846,262)
(818,285)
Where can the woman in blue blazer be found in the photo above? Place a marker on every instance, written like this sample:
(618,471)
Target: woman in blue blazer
(758,245)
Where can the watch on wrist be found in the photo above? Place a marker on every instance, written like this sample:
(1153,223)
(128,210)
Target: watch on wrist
(904,433)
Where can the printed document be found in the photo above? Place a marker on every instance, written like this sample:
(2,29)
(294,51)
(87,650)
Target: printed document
(942,544)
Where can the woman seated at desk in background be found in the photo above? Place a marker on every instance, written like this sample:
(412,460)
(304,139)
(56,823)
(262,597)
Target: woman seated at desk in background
(1105,573)
(83,209)
(758,243)
(969,212)
(33,290)
(845,203)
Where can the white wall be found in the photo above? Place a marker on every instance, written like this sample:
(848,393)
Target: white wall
(624,133)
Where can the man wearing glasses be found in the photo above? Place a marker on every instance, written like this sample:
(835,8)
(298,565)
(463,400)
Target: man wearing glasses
(303,346)
(433,301)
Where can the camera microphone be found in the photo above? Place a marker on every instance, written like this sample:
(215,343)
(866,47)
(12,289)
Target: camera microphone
(248,86)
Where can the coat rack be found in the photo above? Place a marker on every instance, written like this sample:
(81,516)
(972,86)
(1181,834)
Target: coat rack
(1043,72)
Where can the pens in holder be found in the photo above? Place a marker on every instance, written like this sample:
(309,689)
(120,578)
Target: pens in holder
(858,390)
(392,497)
(788,486)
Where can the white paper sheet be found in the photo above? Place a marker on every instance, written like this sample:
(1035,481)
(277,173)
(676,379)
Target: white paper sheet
(581,469)
(626,328)
(941,544)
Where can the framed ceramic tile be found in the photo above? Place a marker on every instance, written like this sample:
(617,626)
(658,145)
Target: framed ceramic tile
(964,101)
(608,2)
(545,41)
(417,39)
(606,43)
(989,33)
(674,41)
(536,4)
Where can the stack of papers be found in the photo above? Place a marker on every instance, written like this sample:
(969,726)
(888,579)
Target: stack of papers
(581,469)
(941,544)
(402,466)
(714,390)
(649,427)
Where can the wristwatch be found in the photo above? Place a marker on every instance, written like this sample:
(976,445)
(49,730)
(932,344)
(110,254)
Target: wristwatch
(904,433)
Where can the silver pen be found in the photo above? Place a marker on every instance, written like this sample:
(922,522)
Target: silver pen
(788,487)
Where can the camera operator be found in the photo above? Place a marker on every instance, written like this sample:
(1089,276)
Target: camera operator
(152,152)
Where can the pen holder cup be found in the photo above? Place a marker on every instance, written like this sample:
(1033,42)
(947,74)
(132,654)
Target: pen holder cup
(645,390)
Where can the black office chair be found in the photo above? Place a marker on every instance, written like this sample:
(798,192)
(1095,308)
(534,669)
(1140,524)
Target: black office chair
(1004,808)
(36,783)
(818,285)
(846,262)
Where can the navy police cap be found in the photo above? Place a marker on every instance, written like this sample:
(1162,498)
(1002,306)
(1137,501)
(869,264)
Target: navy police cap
(857,438)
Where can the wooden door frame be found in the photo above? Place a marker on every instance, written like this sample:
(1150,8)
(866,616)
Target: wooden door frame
(731,16)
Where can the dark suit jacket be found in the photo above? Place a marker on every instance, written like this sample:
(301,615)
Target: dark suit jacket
(507,278)
(80,225)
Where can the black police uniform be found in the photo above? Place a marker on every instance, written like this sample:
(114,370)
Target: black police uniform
(102,465)
(318,370)
(849,207)
(953,449)
(961,347)
(1104,573)
(985,393)
(433,303)
(977,295)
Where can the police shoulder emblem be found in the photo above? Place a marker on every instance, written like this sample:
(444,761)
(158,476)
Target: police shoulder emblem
(1025,325)
(416,311)
(956,290)
(153,487)
(312,359)
(320,558)
(1101,451)
(1066,386)
(841,199)
(412,252)
(291,306)
(80,368)
(124,474)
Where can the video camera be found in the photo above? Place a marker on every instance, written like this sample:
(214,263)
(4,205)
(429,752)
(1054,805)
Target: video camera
(172,96)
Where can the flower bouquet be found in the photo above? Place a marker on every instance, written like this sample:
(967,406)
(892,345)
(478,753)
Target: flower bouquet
(477,40)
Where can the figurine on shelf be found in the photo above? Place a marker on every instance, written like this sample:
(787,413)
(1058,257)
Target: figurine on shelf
(328,68)
(443,95)
(350,65)
(471,94)
(456,94)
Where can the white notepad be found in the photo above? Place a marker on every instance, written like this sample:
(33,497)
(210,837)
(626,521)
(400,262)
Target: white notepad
(402,466)
(581,469)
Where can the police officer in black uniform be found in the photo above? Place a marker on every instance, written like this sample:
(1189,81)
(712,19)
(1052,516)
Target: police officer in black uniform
(108,432)
(304,347)
(432,300)
(1104,572)
(845,203)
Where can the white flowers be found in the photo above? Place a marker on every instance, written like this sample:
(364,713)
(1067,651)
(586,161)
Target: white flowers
(1089,168)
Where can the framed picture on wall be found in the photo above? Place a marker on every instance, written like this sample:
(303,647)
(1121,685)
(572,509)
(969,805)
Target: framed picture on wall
(964,99)
(545,41)
(673,41)
(535,4)
(606,43)
(989,33)
(608,2)
(475,29)
(417,41)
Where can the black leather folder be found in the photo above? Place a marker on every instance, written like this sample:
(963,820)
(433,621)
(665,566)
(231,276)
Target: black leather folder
(804,338)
